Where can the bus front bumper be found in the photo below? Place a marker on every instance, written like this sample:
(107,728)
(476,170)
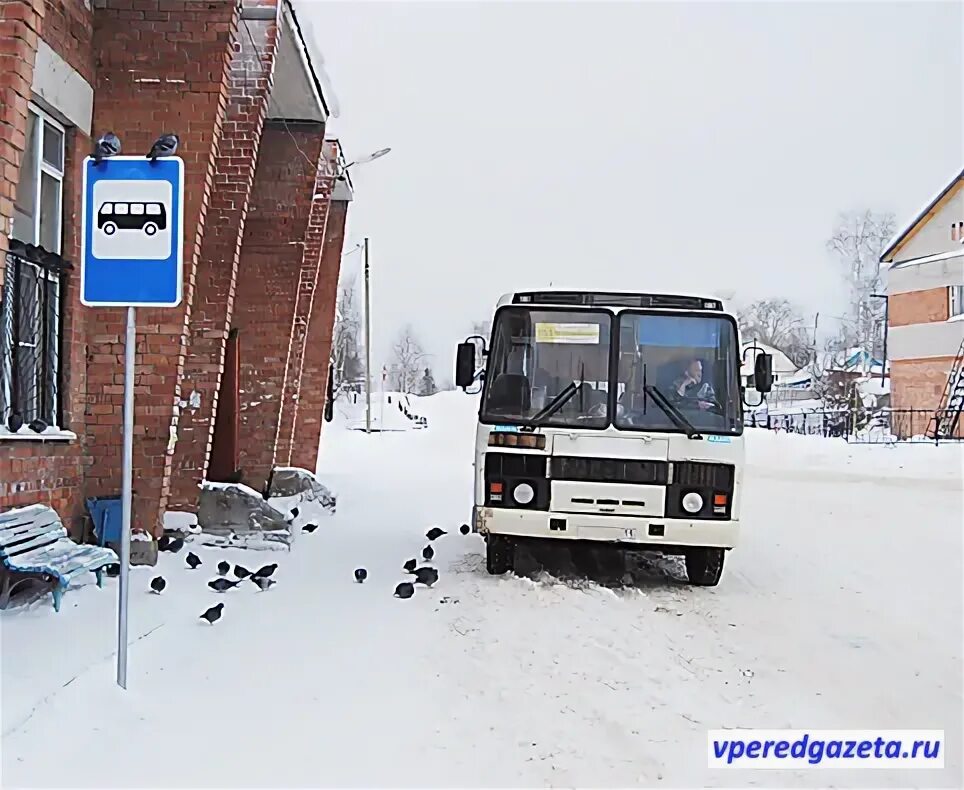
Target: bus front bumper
(649,532)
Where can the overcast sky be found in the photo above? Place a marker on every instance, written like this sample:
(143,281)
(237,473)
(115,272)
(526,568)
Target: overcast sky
(684,147)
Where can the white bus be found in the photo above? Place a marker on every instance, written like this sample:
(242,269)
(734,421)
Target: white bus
(610,417)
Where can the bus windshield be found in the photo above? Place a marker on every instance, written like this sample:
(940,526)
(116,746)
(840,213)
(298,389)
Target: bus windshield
(672,372)
(549,358)
(678,368)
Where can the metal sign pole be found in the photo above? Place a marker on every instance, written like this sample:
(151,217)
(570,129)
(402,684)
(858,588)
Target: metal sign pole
(130,346)
(368,346)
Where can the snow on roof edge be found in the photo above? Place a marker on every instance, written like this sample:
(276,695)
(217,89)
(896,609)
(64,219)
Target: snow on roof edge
(900,234)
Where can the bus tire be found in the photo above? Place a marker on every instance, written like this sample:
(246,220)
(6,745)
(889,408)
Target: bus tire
(150,228)
(499,554)
(109,228)
(704,567)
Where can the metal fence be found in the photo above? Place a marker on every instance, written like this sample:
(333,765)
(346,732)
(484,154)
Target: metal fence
(860,426)
(30,342)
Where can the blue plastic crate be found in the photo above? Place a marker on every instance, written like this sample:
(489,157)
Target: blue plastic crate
(107,516)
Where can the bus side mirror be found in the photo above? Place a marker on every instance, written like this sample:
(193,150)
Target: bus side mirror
(763,373)
(465,365)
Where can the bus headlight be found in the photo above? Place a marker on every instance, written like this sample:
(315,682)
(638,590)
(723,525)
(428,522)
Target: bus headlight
(523,493)
(692,502)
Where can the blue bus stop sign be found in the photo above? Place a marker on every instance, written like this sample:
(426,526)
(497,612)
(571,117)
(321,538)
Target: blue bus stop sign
(133,232)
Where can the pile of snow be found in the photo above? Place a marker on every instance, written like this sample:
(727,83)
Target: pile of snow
(840,608)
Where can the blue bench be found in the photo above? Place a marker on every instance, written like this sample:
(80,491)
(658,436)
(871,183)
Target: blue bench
(35,550)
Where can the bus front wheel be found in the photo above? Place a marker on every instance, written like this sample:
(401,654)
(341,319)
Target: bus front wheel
(704,567)
(150,228)
(110,228)
(499,554)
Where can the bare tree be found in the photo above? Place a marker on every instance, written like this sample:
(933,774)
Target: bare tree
(778,323)
(482,328)
(346,340)
(858,240)
(407,359)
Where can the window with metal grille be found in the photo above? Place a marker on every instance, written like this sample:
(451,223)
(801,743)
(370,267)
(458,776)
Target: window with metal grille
(33,285)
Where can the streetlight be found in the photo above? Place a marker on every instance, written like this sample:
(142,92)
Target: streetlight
(341,172)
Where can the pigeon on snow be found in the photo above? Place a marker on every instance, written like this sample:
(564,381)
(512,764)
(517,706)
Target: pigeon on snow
(175,545)
(410,565)
(158,584)
(223,567)
(435,533)
(465,529)
(165,145)
(193,560)
(427,553)
(427,576)
(263,582)
(213,614)
(267,570)
(360,575)
(405,590)
(107,146)
(223,585)
(241,572)
(309,528)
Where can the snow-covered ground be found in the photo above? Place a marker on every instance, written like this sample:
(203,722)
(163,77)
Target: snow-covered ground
(842,608)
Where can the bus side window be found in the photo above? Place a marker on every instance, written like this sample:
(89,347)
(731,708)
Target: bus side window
(137,208)
(107,208)
(154,209)
(120,208)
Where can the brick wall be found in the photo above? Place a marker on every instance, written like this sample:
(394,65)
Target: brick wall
(163,65)
(271,259)
(919,383)
(51,472)
(303,311)
(918,307)
(68,28)
(314,378)
(20,25)
(252,69)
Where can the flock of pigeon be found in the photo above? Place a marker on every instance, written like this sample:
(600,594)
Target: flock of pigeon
(426,575)
(261,577)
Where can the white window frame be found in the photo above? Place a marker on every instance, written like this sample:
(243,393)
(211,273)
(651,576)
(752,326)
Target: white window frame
(955,300)
(35,157)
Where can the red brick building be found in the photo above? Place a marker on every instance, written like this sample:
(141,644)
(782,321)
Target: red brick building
(233,381)
(925,288)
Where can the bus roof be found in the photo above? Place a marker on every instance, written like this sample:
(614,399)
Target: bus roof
(612,299)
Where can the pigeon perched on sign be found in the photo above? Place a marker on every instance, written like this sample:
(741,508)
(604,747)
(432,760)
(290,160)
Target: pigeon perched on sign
(405,590)
(263,582)
(223,567)
(107,146)
(158,584)
(223,585)
(241,572)
(360,575)
(410,565)
(213,614)
(435,533)
(465,529)
(427,553)
(165,145)
(192,560)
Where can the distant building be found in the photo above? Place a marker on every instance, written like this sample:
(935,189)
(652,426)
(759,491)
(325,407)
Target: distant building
(925,286)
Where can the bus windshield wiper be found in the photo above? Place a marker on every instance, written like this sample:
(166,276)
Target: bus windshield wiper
(551,407)
(672,412)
